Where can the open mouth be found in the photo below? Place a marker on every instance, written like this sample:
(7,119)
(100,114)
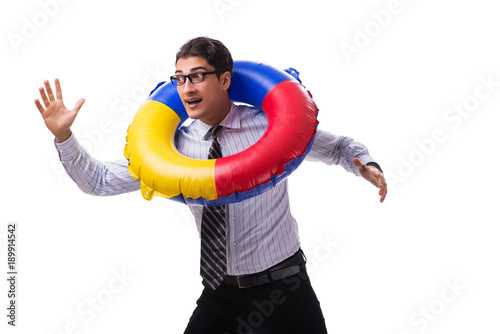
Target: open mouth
(193,102)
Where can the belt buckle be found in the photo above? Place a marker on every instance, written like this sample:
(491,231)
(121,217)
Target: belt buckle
(242,286)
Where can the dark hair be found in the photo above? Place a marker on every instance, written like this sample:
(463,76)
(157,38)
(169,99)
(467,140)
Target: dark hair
(216,53)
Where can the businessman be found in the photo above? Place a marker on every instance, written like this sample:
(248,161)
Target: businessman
(252,267)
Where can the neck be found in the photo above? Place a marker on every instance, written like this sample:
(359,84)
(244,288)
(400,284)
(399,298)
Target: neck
(225,107)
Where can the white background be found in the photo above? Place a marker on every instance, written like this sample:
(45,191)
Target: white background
(377,268)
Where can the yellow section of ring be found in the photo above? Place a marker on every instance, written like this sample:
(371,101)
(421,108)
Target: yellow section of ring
(154,159)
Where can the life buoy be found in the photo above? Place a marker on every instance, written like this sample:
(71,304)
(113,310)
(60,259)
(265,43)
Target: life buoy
(164,171)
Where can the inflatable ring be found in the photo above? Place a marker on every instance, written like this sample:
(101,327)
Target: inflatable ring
(164,171)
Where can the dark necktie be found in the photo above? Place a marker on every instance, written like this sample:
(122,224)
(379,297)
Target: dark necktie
(213,231)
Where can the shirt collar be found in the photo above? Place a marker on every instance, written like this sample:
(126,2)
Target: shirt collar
(231,121)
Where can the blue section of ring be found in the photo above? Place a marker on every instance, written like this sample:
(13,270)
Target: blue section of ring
(251,81)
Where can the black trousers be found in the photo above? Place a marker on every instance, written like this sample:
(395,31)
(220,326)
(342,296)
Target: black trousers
(286,306)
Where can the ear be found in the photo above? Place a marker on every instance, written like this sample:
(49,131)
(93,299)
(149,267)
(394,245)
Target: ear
(225,80)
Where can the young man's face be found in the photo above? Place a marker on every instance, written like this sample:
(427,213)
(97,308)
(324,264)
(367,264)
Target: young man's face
(207,101)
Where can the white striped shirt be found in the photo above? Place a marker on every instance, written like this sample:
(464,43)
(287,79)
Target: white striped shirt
(261,231)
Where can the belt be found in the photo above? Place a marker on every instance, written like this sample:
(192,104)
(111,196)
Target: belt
(284,269)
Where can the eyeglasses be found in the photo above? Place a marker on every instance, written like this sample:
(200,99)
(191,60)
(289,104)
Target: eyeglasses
(197,77)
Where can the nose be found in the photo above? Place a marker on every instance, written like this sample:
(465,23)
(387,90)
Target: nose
(188,87)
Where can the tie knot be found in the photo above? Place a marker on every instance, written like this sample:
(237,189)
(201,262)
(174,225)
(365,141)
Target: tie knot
(215,130)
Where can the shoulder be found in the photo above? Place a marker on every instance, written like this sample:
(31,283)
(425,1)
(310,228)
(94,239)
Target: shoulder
(191,130)
(248,109)
(250,114)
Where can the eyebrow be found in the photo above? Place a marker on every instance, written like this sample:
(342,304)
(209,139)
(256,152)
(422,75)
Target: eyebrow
(194,69)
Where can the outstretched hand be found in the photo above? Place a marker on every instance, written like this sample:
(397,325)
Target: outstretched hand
(374,176)
(57,117)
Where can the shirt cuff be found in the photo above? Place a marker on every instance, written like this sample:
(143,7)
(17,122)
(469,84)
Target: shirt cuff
(365,159)
(69,149)
(369,161)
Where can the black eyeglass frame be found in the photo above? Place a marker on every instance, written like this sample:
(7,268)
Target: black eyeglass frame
(174,80)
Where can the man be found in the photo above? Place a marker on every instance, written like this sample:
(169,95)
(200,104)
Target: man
(255,280)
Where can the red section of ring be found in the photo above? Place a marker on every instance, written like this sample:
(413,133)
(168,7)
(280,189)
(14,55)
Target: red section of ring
(291,115)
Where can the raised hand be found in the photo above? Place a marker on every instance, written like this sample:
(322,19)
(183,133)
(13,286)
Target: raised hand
(56,116)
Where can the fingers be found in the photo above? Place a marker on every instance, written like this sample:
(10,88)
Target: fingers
(383,189)
(48,95)
(382,196)
(44,96)
(381,184)
(78,105)
(39,106)
(49,91)
(58,89)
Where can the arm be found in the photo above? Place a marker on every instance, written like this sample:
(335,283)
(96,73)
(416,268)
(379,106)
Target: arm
(92,176)
(338,150)
(352,156)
